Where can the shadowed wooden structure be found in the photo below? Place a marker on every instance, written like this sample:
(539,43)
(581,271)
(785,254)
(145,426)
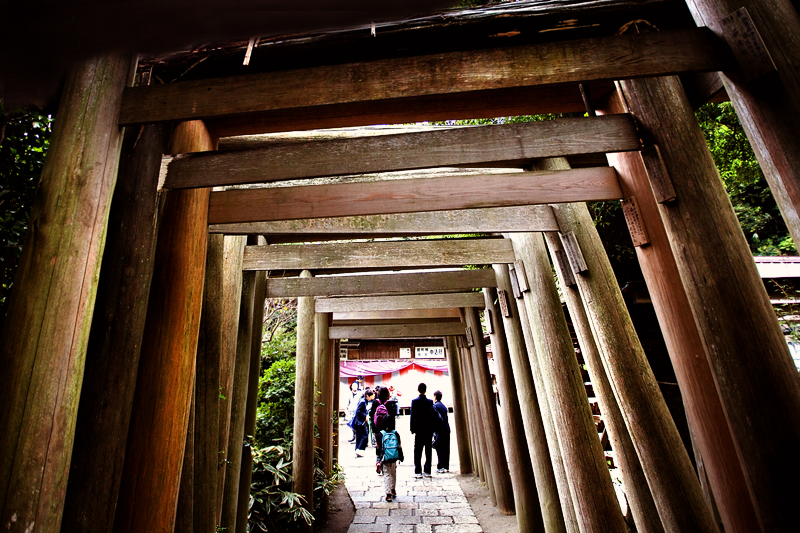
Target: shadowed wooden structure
(293,152)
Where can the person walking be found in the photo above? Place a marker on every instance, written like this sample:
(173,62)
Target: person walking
(355,396)
(422,427)
(441,439)
(360,422)
(388,449)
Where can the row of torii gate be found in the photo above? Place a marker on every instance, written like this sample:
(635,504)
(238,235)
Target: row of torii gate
(145,345)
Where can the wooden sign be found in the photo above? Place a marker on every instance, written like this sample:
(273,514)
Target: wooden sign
(487,318)
(502,298)
(657,174)
(468,336)
(630,208)
(747,45)
(573,251)
(514,282)
(564,273)
(522,278)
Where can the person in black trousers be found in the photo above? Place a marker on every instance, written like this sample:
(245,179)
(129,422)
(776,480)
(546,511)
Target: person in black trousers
(441,440)
(422,426)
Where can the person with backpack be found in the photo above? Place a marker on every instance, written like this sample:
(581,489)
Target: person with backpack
(422,426)
(388,447)
(441,439)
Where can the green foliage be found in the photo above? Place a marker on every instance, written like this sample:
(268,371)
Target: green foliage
(25,140)
(273,507)
(752,200)
(275,416)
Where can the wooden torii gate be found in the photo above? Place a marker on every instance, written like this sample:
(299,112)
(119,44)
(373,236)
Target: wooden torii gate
(130,435)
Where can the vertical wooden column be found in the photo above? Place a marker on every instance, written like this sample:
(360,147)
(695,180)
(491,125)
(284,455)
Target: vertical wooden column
(231,300)
(101,431)
(525,392)
(495,455)
(303,448)
(645,514)
(711,435)
(482,469)
(460,413)
(159,420)
(760,395)
(766,93)
(184,518)
(526,499)
(550,437)
(324,387)
(43,345)
(336,385)
(207,400)
(241,381)
(672,480)
(596,506)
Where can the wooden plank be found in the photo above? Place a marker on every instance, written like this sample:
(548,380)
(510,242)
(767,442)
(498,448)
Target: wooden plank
(414,195)
(419,283)
(403,151)
(604,58)
(436,329)
(481,220)
(379,254)
(390,303)
(438,315)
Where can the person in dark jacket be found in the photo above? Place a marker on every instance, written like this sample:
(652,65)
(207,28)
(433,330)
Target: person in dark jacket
(422,426)
(360,422)
(441,440)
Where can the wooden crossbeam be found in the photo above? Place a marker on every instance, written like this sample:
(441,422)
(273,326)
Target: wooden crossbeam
(527,218)
(394,331)
(392,303)
(604,58)
(396,316)
(414,195)
(400,254)
(417,283)
(403,151)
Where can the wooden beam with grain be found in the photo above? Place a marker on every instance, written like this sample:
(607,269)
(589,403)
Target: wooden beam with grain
(396,331)
(580,60)
(391,303)
(404,151)
(379,254)
(418,283)
(414,195)
(479,220)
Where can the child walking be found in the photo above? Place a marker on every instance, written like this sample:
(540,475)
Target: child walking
(387,445)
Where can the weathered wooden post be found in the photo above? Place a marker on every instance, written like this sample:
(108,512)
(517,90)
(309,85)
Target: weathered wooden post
(231,301)
(711,434)
(323,386)
(43,346)
(495,455)
(241,382)
(548,427)
(184,516)
(645,514)
(101,431)
(460,413)
(207,401)
(303,444)
(526,500)
(765,38)
(596,506)
(159,420)
(336,384)
(478,447)
(546,487)
(672,480)
(760,395)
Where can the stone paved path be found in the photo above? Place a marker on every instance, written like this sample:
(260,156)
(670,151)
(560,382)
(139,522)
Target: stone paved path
(428,505)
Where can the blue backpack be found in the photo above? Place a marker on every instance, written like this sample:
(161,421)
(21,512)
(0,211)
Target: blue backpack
(391,446)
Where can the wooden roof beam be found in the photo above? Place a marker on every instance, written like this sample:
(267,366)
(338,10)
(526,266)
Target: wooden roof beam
(394,331)
(414,195)
(565,62)
(399,302)
(417,283)
(508,143)
(398,316)
(397,254)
